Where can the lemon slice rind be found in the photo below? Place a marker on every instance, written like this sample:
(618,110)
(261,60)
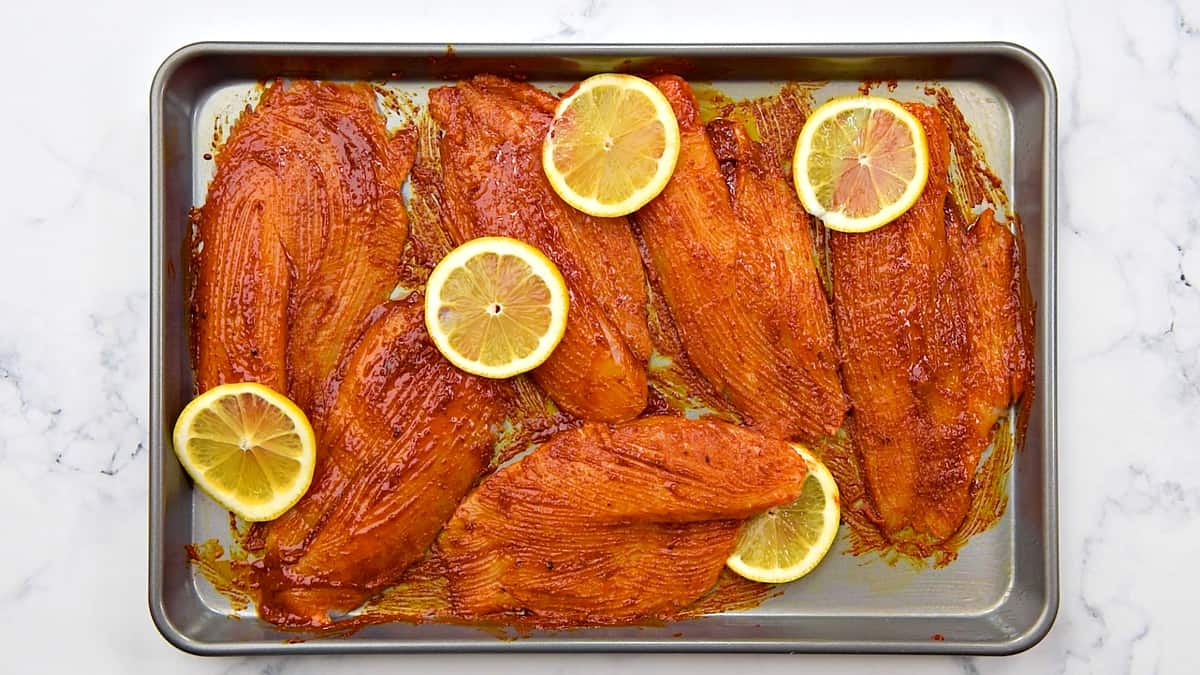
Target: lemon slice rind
(838,220)
(284,493)
(758,530)
(541,266)
(641,194)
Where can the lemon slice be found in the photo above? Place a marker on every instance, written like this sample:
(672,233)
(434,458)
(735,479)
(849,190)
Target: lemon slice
(248,447)
(612,145)
(788,541)
(496,307)
(860,162)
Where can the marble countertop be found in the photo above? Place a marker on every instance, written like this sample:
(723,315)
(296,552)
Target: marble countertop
(74,341)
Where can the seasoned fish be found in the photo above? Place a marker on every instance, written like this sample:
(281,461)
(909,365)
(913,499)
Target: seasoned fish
(730,248)
(988,264)
(929,320)
(299,238)
(403,436)
(494,185)
(611,524)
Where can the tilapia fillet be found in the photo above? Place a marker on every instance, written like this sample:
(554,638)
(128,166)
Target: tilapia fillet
(610,524)
(930,323)
(493,185)
(299,238)
(402,439)
(730,248)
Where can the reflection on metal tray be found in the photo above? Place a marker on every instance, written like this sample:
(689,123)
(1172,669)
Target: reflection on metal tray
(1000,596)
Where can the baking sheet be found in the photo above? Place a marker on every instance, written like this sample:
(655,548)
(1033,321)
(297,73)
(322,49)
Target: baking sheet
(1001,593)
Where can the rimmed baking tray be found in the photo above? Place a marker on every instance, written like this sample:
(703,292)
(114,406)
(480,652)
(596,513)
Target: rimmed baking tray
(999,597)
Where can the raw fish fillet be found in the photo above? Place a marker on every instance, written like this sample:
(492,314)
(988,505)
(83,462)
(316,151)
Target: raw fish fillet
(494,186)
(611,524)
(930,322)
(403,437)
(299,238)
(730,248)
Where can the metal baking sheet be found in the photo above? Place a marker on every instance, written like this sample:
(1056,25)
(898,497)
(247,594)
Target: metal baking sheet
(999,597)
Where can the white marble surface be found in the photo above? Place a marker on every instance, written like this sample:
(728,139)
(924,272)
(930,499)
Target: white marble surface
(73,310)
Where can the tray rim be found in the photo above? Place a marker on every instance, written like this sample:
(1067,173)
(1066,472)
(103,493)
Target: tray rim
(1046,297)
